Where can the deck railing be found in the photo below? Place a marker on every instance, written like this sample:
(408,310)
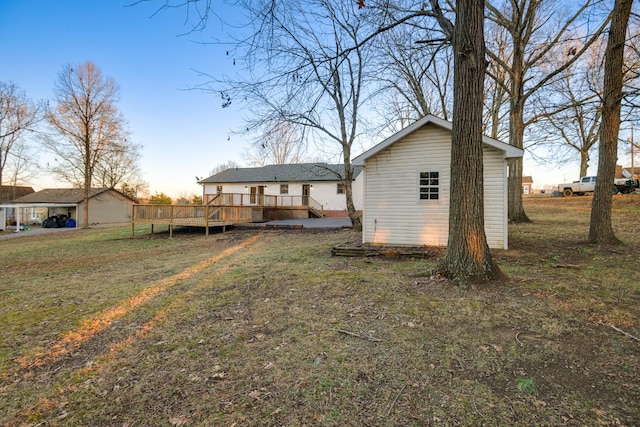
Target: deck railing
(201,215)
(240,199)
(220,210)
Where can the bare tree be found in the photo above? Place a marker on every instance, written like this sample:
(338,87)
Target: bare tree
(631,90)
(536,29)
(87,123)
(571,109)
(221,167)
(18,115)
(600,226)
(119,168)
(118,165)
(467,257)
(21,167)
(280,143)
(496,85)
(418,70)
(314,61)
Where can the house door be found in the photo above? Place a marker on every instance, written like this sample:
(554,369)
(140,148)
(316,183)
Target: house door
(305,194)
(257,195)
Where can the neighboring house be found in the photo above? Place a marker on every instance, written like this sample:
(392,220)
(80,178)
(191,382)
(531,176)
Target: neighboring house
(407,183)
(632,172)
(319,181)
(8,214)
(106,205)
(527,185)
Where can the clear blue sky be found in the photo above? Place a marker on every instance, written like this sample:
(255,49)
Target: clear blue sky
(184,132)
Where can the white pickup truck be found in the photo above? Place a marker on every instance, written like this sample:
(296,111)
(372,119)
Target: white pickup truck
(587,184)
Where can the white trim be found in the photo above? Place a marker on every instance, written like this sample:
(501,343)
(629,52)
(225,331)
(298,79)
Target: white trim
(419,186)
(509,150)
(39,205)
(505,209)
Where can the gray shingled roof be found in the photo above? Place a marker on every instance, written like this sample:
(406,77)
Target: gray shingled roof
(300,172)
(60,195)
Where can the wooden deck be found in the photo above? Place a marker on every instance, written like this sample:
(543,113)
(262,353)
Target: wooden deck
(222,210)
(266,201)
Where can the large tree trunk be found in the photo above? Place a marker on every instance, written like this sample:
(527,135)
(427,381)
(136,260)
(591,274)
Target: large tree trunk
(468,258)
(600,227)
(516,137)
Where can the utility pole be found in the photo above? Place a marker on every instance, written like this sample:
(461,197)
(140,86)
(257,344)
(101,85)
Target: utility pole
(633,171)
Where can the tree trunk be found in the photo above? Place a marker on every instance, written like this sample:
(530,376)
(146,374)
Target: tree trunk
(516,208)
(348,190)
(88,152)
(85,205)
(600,227)
(516,138)
(468,258)
(584,162)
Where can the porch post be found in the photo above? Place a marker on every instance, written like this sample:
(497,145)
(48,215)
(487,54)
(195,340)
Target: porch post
(18,213)
(206,220)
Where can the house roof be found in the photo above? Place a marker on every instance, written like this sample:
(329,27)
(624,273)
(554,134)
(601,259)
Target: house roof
(298,172)
(527,180)
(509,150)
(10,192)
(62,195)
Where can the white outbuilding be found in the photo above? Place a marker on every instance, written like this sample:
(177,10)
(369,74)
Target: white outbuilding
(407,182)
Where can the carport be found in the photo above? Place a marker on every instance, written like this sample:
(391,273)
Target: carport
(19,207)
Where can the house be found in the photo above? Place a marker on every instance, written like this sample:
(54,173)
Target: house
(628,173)
(527,185)
(8,214)
(311,182)
(106,205)
(407,182)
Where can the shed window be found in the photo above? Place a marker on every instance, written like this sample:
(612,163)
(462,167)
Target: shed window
(429,185)
(340,188)
(218,189)
(284,188)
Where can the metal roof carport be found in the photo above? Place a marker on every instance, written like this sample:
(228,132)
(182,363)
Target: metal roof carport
(20,206)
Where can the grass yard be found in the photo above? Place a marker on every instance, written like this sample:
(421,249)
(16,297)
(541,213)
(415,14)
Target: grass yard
(266,328)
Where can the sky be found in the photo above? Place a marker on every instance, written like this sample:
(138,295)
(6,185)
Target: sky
(184,132)
(156,62)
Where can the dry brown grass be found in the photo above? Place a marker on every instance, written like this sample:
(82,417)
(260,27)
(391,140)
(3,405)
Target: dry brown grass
(267,328)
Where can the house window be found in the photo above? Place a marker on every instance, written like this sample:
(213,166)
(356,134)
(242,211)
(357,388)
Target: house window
(218,189)
(340,188)
(284,188)
(429,185)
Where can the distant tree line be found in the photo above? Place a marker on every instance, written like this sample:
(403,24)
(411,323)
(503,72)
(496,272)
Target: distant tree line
(81,127)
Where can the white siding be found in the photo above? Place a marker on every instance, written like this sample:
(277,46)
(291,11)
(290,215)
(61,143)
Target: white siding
(325,193)
(495,198)
(393,212)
